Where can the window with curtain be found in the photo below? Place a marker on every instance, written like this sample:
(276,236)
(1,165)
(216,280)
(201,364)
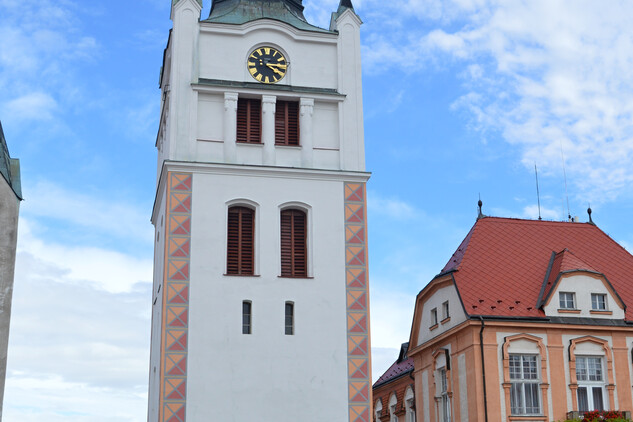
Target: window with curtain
(524,392)
(590,377)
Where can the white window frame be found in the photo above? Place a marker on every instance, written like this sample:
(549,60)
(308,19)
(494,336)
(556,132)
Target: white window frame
(434,320)
(522,380)
(393,402)
(445,311)
(409,403)
(563,302)
(595,305)
(583,363)
(445,401)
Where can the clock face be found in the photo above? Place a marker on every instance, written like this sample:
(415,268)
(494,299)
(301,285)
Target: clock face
(267,65)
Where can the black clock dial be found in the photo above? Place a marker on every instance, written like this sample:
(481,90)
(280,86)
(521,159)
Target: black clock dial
(267,65)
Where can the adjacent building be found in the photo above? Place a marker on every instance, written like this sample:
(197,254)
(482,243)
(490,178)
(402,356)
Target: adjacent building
(393,392)
(10,197)
(528,321)
(260,303)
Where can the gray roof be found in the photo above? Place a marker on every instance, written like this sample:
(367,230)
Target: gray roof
(9,167)
(242,11)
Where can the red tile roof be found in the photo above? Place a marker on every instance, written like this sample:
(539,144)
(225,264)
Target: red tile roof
(564,261)
(395,371)
(501,265)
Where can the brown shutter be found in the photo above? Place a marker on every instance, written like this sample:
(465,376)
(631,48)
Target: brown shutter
(249,120)
(287,123)
(294,261)
(240,248)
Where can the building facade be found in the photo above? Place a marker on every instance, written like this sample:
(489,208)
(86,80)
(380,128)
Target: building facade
(260,304)
(394,391)
(10,197)
(528,321)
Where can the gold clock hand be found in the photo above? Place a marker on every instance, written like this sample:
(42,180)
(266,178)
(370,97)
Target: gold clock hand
(271,65)
(277,71)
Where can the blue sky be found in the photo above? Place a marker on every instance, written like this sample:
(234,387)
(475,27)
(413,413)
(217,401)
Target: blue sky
(462,98)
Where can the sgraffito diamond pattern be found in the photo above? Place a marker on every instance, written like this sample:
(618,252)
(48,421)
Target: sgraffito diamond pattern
(358,341)
(176,299)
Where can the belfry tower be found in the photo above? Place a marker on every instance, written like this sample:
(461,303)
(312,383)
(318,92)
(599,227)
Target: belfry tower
(261,299)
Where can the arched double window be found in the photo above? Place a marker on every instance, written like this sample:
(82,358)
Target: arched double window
(294,241)
(240,248)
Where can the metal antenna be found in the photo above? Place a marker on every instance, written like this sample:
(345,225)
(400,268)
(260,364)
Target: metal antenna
(538,194)
(562,155)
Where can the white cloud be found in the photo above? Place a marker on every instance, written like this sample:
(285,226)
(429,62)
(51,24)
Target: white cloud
(34,106)
(76,352)
(391,207)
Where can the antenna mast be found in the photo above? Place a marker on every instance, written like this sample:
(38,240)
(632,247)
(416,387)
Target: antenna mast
(538,194)
(562,155)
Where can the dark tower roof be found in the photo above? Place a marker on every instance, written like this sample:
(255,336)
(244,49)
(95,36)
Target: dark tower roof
(242,11)
(9,167)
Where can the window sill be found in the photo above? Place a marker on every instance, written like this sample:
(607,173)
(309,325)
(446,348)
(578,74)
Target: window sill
(527,418)
(433,327)
(569,311)
(296,277)
(445,320)
(597,312)
(252,144)
(242,275)
(288,146)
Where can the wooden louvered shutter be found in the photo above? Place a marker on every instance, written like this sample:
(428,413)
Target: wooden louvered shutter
(240,248)
(294,262)
(287,123)
(249,120)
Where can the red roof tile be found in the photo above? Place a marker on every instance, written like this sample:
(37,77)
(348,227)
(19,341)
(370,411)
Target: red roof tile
(502,263)
(395,370)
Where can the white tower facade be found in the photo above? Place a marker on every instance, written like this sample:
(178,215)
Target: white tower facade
(261,299)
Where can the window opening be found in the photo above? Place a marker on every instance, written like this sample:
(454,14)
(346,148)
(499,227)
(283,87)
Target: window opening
(524,391)
(567,300)
(445,310)
(294,262)
(247,314)
(249,120)
(240,248)
(287,123)
(590,377)
(446,404)
(598,302)
(433,316)
(290,318)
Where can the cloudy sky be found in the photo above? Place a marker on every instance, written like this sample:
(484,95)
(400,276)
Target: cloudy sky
(462,98)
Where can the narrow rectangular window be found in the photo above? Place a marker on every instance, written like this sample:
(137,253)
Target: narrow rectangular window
(446,403)
(445,310)
(290,318)
(249,120)
(294,262)
(433,316)
(598,302)
(240,244)
(287,123)
(247,315)
(567,300)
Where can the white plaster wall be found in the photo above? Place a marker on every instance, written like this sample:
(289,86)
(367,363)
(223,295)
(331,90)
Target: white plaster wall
(463,387)
(425,396)
(326,127)
(224,52)
(157,305)
(583,286)
(456,313)
(267,375)
(9,209)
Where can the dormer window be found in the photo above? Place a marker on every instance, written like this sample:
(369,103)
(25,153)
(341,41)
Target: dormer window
(445,311)
(598,302)
(567,300)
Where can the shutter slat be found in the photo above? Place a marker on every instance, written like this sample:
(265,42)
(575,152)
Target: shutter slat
(249,120)
(240,249)
(287,123)
(293,243)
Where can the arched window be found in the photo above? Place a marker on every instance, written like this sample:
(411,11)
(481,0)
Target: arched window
(409,404)
(377,410)
(294,233)
(393,402)
(591,374)
(240,245)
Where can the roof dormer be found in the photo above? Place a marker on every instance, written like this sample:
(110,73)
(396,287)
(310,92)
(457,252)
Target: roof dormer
(573,288)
